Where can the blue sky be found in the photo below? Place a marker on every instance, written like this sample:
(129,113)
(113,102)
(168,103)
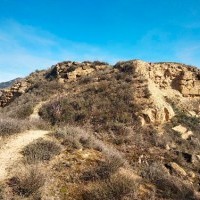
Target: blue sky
(35,34)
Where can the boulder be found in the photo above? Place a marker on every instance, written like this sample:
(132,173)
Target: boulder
(183,132)
(178,169)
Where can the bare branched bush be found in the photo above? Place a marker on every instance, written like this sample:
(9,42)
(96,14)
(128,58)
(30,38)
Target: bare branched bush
(111,101)
(116,188)
(40,150)
(9,126)
(28,182)
(172,187)
(22,111)
(105,169)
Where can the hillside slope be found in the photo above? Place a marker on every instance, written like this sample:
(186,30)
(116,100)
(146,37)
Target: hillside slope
(128,131)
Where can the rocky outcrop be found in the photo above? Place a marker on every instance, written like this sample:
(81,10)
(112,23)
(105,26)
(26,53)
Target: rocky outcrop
(184,78)
(17,89)
(183,132)
(70,71)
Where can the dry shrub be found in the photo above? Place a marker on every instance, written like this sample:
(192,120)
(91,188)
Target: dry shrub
(27,183)
(110,101)
(1,192)
(75,137)
(116,188)
(40,150)
(9,126)
(169,186)
(40,124)
(105,169)
(22,111)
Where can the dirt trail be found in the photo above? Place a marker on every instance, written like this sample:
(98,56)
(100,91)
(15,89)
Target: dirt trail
(35,114)
(10,152)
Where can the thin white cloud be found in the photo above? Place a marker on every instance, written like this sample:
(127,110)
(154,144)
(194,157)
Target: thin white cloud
(25,48)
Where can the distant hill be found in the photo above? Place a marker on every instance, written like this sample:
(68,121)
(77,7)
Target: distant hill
(8,83)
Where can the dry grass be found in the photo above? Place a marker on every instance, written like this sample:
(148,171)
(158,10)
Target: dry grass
(74,137)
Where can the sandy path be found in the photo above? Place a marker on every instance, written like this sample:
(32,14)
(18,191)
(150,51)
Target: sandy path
(35,114)
(10,152)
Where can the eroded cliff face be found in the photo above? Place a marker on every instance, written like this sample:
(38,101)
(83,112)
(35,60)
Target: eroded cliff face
(154,83)
(163,81)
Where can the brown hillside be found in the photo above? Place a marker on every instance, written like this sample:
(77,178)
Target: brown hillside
(128,131)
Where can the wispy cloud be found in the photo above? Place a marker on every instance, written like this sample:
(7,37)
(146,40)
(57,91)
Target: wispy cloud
(25,48)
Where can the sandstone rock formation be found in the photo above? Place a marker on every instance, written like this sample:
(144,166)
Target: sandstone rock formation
(70,71)
(184,132)
(17,89)
(162,80)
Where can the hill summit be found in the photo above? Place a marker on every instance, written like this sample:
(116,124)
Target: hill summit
(93,131)
(154,83)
